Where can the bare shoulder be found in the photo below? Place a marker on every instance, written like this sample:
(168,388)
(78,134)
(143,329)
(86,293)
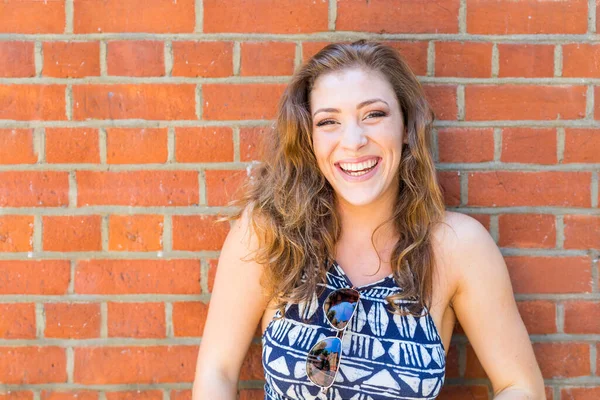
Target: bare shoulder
(456,239)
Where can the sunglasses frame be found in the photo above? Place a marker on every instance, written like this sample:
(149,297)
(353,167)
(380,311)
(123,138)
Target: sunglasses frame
(339,332)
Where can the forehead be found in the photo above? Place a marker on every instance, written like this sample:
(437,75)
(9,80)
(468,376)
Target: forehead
(349,87)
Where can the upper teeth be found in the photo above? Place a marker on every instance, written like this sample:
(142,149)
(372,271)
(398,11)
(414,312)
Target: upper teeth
(358,166)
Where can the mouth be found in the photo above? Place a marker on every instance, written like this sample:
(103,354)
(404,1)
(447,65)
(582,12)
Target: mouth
(358,168)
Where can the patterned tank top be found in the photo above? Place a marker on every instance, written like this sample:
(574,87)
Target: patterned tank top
(384,355)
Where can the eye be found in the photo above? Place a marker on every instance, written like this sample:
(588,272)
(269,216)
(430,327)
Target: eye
(325,122)
(377,114)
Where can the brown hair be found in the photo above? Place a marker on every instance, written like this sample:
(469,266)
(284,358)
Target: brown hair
(292,205)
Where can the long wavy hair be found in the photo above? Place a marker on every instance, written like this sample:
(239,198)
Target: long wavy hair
(292,207)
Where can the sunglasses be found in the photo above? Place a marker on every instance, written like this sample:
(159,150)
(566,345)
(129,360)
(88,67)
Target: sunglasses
(323,360)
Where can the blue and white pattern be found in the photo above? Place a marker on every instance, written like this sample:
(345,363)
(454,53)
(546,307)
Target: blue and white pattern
(384,355)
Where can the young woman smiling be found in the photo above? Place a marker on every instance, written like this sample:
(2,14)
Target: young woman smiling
(344,252)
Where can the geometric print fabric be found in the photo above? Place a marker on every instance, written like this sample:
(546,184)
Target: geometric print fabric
(384,355)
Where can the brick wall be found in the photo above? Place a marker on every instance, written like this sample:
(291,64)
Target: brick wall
(125,126)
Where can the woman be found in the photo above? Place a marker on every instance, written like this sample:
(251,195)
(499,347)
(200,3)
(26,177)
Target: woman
(345,254)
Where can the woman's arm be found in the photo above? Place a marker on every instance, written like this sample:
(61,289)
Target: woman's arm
(236,306)
(486,309)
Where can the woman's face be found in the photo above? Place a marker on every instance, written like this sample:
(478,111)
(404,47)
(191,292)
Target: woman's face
(357,135)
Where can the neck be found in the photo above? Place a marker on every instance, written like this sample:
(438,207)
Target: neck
(359,222)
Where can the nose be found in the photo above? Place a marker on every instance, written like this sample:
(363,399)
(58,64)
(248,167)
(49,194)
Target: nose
(353,137)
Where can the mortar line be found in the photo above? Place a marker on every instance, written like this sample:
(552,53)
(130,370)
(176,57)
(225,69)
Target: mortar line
(104,319)
(236,143)
(72,192)
(594,189)
(236,58)
(103,64)
(331,15)
(560,145)
(431,58)
(202,187)
(69,102)
(171,145)
(169,331)
(495,60)
(70,353)
(39,144)
(40,320)
(462,17)
(69,16)
(198,99)
(589,104)
(168,56)
(497,144)
(464,188)
(558,60)
(38,57)
(495,228)
(103,145)
(167,236)
(199,8)
(560,231)
(105,231)
(298,56)
(592,16)
(560,317)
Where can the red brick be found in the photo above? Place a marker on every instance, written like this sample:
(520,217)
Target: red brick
(16,233)
(198,232)
(32,102)
(135,232)
(457,145)
(267,58)
(135,395)
(72,320)
(184,394)
(222,101)
(597,103)
(204,144)
(251,142)
(558,360)
(16,146)
(309,49)
(71,59)
(508,188)
(71,232)
(16,59)
(507,17)
(524,102)
(135,58)
(70,395)
(442,99)
(539,316)
(20,395)
(145,365)
(483,220)
(159,101)
(581,60)
(17,321)
(550,274)
(34,189)
(529,145)
(205,59)
(527,230)
(33,365)
(224,186)
(20,16)
(549,392)
(136,145)
(582,231)
(267,16)
(189,318)
(463,59)
(398,16)
(252,368)
(582,317)
(146,16)
(580,393)
(72,145)
(581,145)
(138,188)
(414,53)
(525,60)
(137,277)
(464,392)
(136,320)
(212,273)
(252,394)
(449,182)
(45,277)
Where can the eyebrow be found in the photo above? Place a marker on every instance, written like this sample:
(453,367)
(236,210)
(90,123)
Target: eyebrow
(358,107)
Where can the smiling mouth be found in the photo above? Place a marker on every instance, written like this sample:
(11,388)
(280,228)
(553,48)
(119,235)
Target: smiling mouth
(358,169)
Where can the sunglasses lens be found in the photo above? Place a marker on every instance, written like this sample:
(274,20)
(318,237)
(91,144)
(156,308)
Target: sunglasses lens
(340,306)
(323,361)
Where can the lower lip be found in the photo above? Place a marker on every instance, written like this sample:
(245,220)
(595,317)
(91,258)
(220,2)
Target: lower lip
(360,178)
